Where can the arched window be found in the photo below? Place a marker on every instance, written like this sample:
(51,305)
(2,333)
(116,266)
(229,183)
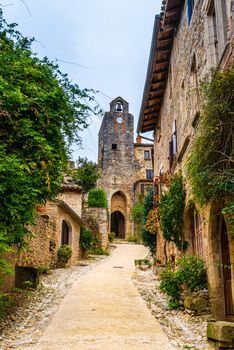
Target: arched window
(65,233)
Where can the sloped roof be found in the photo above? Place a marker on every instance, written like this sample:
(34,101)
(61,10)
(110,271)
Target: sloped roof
(159,62)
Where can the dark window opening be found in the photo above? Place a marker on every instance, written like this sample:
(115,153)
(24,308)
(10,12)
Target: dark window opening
(114,146)
(146,155)
(142,189)
(190,5)
(65,233)
(149,174)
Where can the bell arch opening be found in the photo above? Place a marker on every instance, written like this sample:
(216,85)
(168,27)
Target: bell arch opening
(118,224)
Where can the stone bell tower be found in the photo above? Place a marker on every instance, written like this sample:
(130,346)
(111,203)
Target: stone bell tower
(116,162)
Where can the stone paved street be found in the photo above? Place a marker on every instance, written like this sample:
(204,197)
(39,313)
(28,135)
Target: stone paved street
(104,310)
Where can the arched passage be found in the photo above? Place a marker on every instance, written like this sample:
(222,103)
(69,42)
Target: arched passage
(118,224)
(118,214)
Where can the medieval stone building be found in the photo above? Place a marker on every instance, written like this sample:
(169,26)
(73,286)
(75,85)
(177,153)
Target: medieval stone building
(126,167)
(190,38)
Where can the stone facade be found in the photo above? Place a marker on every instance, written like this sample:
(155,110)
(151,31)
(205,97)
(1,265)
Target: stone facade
(202,38)
(120,169)
(47,236)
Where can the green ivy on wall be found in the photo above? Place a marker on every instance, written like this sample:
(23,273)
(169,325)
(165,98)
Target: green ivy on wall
(210,166)
(170,212)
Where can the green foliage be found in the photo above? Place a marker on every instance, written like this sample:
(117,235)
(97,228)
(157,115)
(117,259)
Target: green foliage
(87,173)
(170,211)
(43,269)
(64,253)
(191,273)
(170,284)
(86,239)
(41,114)
(210,167)
(6,302)
(97,198)
(98,251)
(137,212)
(148,239)
(111,237)
(139,262)
(132,239)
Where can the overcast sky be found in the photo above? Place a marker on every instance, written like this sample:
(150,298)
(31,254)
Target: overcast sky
(106,42)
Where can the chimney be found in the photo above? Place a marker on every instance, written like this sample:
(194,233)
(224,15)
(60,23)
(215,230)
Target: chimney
(138,139)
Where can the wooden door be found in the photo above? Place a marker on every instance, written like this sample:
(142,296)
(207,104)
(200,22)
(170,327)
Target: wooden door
(226,266)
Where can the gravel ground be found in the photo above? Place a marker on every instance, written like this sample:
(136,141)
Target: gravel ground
(184,330)
(26,322)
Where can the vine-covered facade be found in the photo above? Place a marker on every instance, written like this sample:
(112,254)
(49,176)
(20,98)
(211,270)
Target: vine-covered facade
(191,41)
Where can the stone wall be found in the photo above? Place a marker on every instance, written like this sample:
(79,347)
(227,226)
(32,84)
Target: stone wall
(46,237)
(196,49)
(73,199)
(101,217)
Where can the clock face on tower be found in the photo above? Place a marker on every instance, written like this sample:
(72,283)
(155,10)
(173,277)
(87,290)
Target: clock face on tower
(119,120)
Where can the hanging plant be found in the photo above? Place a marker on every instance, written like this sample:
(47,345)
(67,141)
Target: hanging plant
(152,221)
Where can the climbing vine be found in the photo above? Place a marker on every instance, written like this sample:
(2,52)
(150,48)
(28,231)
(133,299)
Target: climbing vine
(210,167)
(170,212)
(149,239)
(41,114)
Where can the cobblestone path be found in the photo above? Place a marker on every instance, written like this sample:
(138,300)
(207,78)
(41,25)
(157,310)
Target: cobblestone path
(103,310)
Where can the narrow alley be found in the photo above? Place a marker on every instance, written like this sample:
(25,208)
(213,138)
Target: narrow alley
(103,310)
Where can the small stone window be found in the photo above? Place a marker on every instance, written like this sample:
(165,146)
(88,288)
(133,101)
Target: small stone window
(149,174)
(114,146)
(146,155)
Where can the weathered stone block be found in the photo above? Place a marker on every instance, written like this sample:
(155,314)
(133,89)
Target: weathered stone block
(197,302)
(221,331)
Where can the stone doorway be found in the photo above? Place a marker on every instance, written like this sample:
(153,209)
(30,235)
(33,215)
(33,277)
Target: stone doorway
(118,214)
(226,271)
(118,224)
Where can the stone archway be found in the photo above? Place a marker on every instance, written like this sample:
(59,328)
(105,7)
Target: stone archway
(118,214)
(118,224)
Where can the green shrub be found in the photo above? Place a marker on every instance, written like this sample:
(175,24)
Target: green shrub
(98,251)
(192,272)
(111,237)
(86,239)
(170,284)
(97,198)
(132,239)
(139,262)
(64,253)
(43,269)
